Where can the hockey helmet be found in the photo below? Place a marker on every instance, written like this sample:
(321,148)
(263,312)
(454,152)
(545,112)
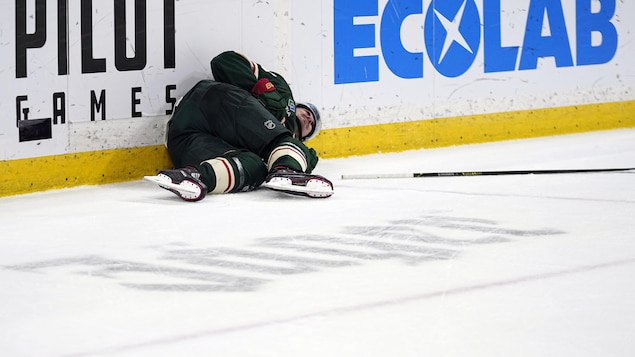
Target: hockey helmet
(316,114)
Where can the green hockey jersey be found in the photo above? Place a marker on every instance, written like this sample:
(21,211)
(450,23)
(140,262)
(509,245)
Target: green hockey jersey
(270,88)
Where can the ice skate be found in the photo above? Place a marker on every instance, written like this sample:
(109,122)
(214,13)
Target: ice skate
(184,183)
(299,184)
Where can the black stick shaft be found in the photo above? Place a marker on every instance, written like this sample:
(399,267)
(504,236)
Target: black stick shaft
(483,173)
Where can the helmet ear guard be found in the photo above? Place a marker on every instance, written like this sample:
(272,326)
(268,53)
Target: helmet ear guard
(318,121)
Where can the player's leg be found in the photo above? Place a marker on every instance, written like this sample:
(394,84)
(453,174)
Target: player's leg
(219,166)
(202,157)
(235,171)
(290,164)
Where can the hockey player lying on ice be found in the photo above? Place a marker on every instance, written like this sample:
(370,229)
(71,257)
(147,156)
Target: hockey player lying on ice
(239,131)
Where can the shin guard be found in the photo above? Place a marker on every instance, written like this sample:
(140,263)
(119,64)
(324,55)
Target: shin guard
(293,154)
(234,172)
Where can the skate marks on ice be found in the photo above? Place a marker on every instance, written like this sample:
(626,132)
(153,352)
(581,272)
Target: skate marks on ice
(181,267)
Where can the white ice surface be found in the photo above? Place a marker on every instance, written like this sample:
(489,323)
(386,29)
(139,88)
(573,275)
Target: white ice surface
(529,265)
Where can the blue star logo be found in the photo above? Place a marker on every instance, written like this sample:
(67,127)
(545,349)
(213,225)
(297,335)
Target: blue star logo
(452,35)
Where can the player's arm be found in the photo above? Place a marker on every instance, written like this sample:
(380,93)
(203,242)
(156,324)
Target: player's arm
(270,88)
(234,68)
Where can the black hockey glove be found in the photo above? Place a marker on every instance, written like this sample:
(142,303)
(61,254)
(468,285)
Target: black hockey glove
(312,160)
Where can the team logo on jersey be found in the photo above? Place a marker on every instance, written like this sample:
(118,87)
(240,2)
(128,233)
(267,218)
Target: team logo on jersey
(269,124)
(290,107)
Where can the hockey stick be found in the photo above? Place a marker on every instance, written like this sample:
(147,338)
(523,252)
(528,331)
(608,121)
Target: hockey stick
(480,173)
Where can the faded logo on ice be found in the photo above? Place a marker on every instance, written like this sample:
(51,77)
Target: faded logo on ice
(181,267)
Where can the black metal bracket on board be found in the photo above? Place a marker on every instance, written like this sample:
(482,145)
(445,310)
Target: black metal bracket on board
(34,129)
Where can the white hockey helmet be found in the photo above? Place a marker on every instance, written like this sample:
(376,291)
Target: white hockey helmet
(316,114)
